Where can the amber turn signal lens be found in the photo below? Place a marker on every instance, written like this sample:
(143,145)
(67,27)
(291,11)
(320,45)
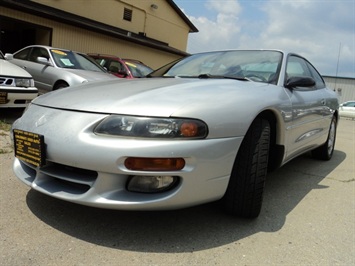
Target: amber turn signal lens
(189,129)
(154,164)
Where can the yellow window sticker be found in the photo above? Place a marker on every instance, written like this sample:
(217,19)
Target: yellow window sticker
(58,52)
(130,64)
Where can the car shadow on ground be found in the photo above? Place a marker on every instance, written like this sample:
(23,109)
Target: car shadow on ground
(186,230)
(9,115)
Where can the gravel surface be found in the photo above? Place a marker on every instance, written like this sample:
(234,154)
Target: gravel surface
(5,142)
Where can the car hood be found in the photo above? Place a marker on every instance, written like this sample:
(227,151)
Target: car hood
(91,75)
(151,96)
(11,70)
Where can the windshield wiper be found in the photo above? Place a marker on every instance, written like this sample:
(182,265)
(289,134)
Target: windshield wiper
(209,76)
(150,76)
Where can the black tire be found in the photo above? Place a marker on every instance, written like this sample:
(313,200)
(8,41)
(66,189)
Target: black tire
(244,194)
(325,152)
(61,85)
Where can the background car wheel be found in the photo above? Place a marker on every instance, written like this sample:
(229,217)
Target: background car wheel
(325,152)
(61,85)
(244,193)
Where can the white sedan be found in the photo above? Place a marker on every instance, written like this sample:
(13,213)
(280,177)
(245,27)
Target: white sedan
(16,85)
(347,109)
(204,128)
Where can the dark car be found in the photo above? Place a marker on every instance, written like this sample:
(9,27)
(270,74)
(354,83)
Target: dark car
(122,68)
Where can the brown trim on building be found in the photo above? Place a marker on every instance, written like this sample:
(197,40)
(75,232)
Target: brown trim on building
(182,15)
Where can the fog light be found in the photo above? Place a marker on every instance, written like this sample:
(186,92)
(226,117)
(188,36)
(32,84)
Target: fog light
(151,184)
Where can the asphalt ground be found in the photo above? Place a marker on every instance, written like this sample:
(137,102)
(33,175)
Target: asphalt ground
(308,218)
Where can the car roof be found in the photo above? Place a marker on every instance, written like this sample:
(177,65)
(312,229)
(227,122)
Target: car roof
(104,55)
(51,48)
(116,57)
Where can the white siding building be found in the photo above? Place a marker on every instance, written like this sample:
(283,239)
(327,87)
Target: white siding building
(345,87)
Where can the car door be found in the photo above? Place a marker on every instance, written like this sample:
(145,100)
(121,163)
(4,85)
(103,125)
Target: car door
(41,71)
(27,59)
(21,59)
(117,68)
(308,108)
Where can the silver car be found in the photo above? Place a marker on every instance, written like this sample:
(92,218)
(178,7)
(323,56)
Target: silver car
(55,68)
(205,128)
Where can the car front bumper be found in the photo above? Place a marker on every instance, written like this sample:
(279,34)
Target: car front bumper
(87,169)
(16,97)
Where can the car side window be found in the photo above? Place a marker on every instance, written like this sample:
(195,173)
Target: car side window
(115,67)
(44,53)
(23,55)
(299,67)
(349,104)
(316,76)
(101,61)
(38,52)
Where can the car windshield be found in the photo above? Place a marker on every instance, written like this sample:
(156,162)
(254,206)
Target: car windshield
(260,66)
(69,59)
(138,69)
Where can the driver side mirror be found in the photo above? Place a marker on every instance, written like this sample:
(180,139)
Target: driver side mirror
(43,60)
(9,56)
(299,82)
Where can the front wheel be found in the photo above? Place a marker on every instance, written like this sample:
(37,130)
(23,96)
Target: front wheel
(325,152)
(61,85)
(244,193)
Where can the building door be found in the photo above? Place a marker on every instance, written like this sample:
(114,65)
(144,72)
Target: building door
(16,34)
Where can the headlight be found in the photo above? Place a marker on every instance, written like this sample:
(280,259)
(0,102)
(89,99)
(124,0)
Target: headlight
(22,82)
(151,127)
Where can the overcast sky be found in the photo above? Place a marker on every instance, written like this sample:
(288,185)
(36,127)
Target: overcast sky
(323,31)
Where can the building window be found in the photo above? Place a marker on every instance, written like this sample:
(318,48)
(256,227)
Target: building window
(127,14)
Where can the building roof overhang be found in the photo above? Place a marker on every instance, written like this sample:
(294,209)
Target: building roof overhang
(183,16)
(92,25)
